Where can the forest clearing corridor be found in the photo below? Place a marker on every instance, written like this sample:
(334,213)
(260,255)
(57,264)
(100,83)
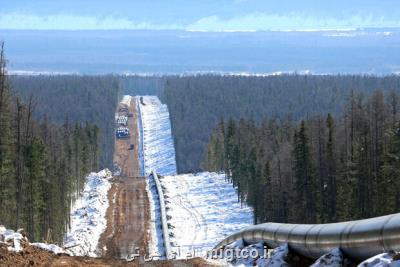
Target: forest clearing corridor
(128,213)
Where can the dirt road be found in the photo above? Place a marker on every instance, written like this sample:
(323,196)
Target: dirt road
(128,214)
(128,220)
(33,256)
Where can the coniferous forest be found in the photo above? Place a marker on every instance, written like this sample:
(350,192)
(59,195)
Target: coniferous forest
(43,165)
(298,148)
(197,103)
(68,99)
(323,168)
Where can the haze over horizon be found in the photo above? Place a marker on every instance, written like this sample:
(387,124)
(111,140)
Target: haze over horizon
(207,15)
(179,36)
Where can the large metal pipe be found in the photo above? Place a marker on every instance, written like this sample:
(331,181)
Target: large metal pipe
(163,215)
(359,240)
(140,132)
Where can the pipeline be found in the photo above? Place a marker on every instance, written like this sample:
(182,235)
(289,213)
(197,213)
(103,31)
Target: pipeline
(358,240)
(163,215)
(160,193)
(140,132)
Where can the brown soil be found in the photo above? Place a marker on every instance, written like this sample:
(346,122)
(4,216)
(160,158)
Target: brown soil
(128,220)
(128,214)
(127,217)
(32,256)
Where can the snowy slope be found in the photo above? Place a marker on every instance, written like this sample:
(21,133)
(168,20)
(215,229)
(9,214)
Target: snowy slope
(88,220)
(156,246)
(203,209)
(156,153)
(158,146)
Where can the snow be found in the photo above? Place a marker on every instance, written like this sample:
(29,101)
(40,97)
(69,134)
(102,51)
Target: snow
(202,209)
(156,246)
(334,258)
(88,220)
(249,261)
(14,241)
(126,100)
(278,258)
(140,133)
(157,152)
(381,260)
(238,255)
(13,238)
(50,247)
(158,145)
(331,259)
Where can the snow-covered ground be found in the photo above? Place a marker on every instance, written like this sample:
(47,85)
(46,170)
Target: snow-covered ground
(50,247)
(231,256)
(16,241)
(126,100)
(332,259)
(140,133)
(88,219)
(382,260)
(12,238)
(237,254)
(202,209)
(157,153)
(156,246)
(158,145)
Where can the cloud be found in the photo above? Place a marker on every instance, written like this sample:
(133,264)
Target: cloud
(262,21)
(248,22)
(71,22)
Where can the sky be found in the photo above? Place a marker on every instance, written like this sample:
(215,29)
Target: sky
(201,15)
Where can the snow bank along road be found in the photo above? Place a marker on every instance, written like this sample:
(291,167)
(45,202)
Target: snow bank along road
(202,208)
(88,215)
(110,218)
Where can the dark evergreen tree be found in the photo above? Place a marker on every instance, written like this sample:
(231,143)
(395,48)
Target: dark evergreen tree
(305,186)
(331,186)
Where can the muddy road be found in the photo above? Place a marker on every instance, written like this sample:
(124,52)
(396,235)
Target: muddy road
(128,219)
(128,215)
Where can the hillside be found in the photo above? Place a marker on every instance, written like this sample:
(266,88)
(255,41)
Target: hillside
(74,99)
(197,103)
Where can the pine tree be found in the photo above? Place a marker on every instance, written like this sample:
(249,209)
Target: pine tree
(39,188)
(214,159)
(331,187)
(267,193)
(391,173)
(7,172)
(42,165)
(251,182)
(305,186)
(229,146)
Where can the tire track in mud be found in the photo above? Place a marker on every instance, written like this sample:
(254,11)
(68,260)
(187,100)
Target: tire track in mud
(128,215)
